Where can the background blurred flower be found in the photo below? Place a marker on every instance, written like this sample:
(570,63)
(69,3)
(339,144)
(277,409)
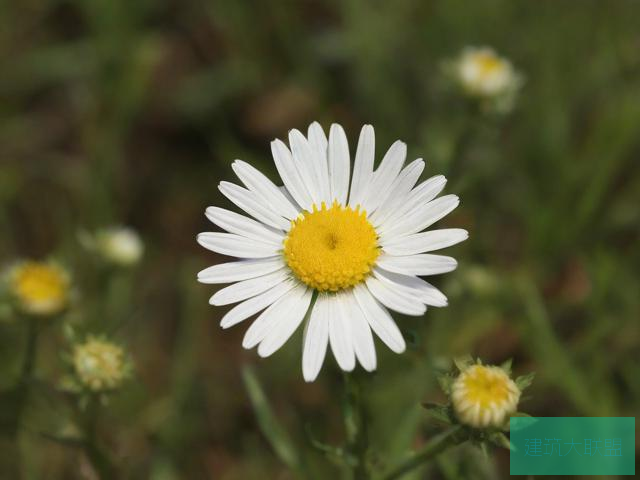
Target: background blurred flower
(482,74)
(120,246)
(100,365)
(39,288)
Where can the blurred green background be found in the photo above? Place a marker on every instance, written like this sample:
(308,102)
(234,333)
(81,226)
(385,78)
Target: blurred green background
(121,112)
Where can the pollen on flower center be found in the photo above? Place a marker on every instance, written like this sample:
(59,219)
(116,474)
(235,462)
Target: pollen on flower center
(486,386)
(331,248)
(487,63)
(484,395)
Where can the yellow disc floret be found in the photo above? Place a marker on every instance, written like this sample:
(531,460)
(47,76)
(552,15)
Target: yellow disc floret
(332,248)
(488,63)
(39,288)
(484,396)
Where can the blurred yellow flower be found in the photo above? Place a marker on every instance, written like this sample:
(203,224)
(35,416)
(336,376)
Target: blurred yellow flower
(484,396)
(482,73)
(40,288)
(100,365)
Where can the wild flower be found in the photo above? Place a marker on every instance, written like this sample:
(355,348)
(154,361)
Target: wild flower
(333,249)
(39,288)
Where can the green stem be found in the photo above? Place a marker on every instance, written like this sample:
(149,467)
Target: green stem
(356,428)
(29,352)
(98,458)
(436,446)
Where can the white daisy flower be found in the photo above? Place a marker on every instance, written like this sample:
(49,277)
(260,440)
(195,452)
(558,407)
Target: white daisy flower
(334,249)
(483,74)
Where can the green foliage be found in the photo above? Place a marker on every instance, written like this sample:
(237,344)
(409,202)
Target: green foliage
(130,113)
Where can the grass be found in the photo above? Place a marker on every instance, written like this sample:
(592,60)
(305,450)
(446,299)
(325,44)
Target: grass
(130,113)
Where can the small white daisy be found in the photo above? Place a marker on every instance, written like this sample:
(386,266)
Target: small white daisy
(331,248)
(484,75)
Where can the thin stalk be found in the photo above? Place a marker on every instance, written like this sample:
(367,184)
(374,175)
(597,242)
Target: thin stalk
(355,421)
(29,352)
(437,445)
(98,457)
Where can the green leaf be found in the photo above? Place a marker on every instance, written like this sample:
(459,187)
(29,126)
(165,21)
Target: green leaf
(522,424)
(269,424)
(442,413)
(506,366)
(445,381)
(334,453)
(463,362)
(499,439)
(524,381)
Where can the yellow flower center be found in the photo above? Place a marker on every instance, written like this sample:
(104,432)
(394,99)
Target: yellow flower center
(484,396)
(99,365)
(331,249)
(488,63)
(40,288)
(487,385)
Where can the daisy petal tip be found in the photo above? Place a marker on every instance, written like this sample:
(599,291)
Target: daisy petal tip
(264,352)
(309,376)
(400,348)
(200,239)
(370,367)
(248,343)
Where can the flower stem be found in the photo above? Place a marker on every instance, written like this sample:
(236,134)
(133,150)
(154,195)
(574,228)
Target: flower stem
(98,457)
(29,352)
(436,446)
(356,428)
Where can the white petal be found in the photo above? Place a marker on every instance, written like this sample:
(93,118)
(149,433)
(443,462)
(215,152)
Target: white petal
(288,196)
(240,291)
(339,164)
(340,333)
(379,319)
(318,142)
(270,318)
(244,310)
(384,176)
(248,201)
(399,192)
(425,241)
(286,325)
(361,334)
(242,270)
(363,165)
(317,138)
(421,218)
(394,298)
(305,158)
(422,194)
(237,246)
(422,264)
(316,338)
(412,286)
(247,227)
(290,175)
(264,188)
